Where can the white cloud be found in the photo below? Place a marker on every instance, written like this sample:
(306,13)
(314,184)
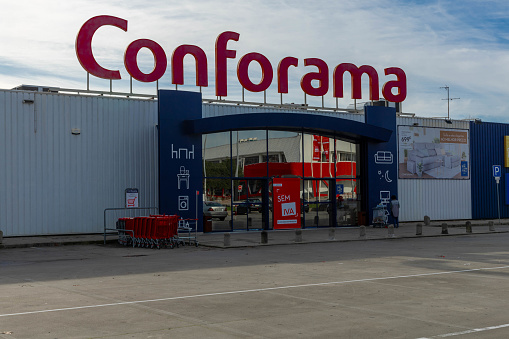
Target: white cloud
(434,42)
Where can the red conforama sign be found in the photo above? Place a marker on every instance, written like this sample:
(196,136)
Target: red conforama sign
(321,77)
(286,202)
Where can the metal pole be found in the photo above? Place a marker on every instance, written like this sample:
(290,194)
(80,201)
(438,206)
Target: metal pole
(196,217)
(498,201)
(448,99)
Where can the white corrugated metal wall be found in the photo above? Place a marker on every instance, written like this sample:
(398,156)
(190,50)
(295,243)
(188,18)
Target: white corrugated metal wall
(54,182)
(440,199)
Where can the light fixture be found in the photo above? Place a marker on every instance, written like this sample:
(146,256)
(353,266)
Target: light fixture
(448,121)
(28,101)
(75,131)
(478,121)
(416,124)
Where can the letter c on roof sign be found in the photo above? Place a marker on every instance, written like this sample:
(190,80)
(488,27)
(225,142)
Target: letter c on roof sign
(84,45)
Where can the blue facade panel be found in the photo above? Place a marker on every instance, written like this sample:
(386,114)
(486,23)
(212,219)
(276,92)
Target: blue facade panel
(486,150)
(381,159)
(180,156)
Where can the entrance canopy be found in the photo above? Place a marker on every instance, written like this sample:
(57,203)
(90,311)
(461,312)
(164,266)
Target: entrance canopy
(333,127)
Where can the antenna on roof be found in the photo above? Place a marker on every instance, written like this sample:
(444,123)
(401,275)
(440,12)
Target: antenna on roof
(448,100)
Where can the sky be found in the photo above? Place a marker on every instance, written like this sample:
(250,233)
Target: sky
(460,44)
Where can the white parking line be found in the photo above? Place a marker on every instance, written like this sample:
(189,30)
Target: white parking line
(250,291)
(475,330)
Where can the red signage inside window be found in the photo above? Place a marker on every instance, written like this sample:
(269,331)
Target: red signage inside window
(286,202)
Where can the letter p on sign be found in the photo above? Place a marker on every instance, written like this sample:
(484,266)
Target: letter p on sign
(497,171)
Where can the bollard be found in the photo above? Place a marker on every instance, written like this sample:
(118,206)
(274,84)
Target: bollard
(332,233)
(298,235)
(317,220)
(249,222)
(427,220)
(418,229)
(265,237)
(390,231)
(491,226)
(362,230)
(226,241)
(468,227)
(444,228)
(1,236)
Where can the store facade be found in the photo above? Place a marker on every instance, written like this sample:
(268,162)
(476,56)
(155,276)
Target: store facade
(68,157)
(253,202)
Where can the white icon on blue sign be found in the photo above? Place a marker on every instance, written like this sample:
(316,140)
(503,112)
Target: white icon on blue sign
(183,177)
(384,158)
(497,171)
(385,176)
(385,197)
(183,203)
(182,153)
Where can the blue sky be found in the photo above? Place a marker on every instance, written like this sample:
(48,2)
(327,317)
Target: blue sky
(462,44)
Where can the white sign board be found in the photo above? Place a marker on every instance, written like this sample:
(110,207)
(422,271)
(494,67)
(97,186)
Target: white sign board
(131,197)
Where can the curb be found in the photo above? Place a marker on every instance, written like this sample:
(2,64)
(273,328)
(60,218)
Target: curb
(56,244)
(257,244)
(350,240)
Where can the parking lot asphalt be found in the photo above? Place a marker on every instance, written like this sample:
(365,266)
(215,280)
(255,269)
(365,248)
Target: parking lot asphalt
(431,286)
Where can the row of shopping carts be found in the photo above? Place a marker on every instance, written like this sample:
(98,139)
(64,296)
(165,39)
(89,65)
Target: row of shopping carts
(156,231)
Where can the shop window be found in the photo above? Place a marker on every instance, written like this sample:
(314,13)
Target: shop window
(251,160)
(346,156)
(272,158)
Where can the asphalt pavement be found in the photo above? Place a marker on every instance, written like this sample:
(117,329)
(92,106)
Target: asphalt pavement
(406,286)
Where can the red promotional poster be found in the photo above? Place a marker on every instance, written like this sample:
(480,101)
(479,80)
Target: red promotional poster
(286,202)
(326,148)
(317,147)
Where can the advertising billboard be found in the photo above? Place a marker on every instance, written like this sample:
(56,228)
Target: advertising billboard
(433,153)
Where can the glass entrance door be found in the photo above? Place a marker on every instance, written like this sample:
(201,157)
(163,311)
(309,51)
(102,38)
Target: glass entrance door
(250,208)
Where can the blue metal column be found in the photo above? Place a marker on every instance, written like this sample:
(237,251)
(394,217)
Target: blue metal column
(380,159)
(180,156)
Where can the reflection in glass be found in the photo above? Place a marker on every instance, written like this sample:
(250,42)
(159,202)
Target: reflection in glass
(249,149)
(239,166)
(216,166)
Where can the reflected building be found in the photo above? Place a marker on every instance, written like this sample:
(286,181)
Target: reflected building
(237,164)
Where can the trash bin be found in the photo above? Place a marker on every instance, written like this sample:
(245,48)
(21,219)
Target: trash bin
(207,224)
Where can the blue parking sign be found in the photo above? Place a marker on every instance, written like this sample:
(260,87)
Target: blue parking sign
(497,171)
(339,189)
